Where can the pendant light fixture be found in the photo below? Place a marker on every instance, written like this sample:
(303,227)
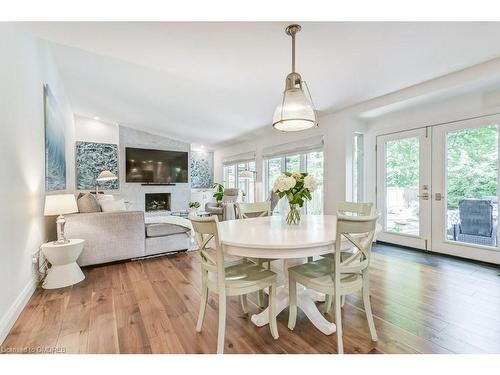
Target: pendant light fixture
(296,110)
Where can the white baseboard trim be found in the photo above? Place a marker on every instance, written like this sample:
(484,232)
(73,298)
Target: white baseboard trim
(9,319)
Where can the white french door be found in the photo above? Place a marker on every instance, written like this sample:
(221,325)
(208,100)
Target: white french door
(403,188)
(465,189)
(437,188)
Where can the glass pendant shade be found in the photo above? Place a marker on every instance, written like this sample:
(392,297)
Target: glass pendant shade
(296,110)
(295,113)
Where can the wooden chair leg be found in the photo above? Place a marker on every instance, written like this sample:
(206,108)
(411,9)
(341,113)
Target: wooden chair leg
(203,302)
(328,303)
(273,325)
(222,322)
(338,322)
(292,295)
(244,303)
(368,310)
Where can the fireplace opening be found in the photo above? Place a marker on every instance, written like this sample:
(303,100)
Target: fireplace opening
(157,202)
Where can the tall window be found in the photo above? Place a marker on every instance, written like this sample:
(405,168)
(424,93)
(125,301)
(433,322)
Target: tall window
(232,179)
(310,162)
(357,168)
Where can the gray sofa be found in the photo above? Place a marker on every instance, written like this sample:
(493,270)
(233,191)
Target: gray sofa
(112,236)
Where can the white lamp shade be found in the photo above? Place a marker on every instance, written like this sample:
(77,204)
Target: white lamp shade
(60,204)
(247,174)
(106,176)
(295,113)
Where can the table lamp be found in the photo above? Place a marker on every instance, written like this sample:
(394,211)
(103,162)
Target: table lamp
(60,204)
(103,176)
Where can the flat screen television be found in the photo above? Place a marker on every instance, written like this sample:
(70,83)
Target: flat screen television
(156,166)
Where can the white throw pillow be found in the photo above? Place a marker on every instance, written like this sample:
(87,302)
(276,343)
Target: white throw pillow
(111,205)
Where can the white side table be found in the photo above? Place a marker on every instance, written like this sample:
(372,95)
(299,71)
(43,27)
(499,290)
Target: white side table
(63,271)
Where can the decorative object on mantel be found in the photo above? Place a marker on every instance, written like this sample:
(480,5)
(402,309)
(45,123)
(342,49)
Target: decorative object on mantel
(193,207)
(91,159)
(55,145)
(202,169)
(104,176)
(60,204)
(296,110)
(297,187)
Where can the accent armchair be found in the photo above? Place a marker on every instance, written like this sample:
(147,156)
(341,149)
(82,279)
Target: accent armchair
(225,210)
(476,222)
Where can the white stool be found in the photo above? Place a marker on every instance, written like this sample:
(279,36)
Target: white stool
(63,271)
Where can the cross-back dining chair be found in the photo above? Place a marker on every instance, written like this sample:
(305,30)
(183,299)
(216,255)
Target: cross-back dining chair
(252,210)
(249,210)
(339,276)
(349,209)
(234,279)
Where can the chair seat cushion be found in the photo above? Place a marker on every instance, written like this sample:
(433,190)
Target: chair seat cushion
(164,229)
(320,273)
(243,274)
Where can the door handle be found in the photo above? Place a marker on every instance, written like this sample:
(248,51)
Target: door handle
(424,196)
(438,196)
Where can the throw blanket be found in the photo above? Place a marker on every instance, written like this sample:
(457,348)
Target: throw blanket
(169,219)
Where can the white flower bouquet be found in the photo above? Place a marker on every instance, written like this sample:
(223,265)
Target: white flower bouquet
(297,187)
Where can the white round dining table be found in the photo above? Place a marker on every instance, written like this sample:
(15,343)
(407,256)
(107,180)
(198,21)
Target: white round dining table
(272,238)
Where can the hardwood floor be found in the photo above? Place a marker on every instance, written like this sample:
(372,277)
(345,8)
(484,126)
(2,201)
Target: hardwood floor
(421,303)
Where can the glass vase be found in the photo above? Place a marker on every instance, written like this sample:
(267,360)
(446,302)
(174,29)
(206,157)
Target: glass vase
(293,216)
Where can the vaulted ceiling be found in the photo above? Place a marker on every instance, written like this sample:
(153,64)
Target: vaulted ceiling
(212,82)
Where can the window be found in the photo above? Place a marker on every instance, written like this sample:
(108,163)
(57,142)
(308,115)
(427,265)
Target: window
(357,168)
(315,167)
(232,179)
(229,176)
(310,162)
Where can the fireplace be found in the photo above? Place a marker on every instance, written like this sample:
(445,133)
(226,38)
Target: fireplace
(157,202)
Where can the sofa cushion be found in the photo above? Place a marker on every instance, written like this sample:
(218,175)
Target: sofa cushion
(112,205)
(164,229)
(87,203)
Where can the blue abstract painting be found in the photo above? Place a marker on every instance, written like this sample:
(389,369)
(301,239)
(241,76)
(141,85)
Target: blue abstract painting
(55,153)
(202,169)
(93,158)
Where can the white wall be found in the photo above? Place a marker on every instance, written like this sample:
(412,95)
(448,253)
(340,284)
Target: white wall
(90,130)
(338,132)
(26,64)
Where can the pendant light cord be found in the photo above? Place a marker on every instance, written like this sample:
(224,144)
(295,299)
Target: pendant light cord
(293,52)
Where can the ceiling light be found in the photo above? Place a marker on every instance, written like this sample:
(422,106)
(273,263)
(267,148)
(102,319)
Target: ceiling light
(296,110)
(96,118)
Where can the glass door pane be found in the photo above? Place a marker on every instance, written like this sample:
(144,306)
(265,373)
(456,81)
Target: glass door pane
(404,187)
(471,185)
(402,167)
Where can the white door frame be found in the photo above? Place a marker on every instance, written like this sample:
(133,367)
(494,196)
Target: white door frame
(421,241)
(439,211)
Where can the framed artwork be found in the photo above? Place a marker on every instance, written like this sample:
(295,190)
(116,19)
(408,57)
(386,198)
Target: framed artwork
(55,145)
(202,169)
(93,158)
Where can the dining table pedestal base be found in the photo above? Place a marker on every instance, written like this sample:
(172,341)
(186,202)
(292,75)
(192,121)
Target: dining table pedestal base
(305,301)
